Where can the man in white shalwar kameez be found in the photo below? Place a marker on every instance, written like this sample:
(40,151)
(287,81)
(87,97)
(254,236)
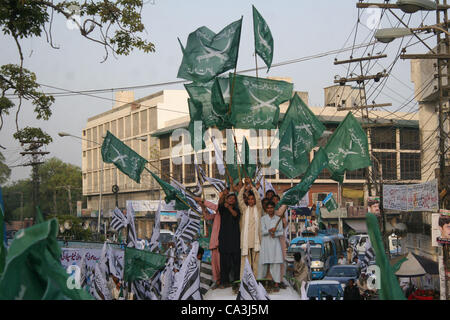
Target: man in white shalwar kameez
(271,255)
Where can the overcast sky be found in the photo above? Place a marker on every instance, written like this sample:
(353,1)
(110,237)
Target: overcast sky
(300,29)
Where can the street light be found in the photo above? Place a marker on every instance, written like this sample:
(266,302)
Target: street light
(412,6)
(390,34)
(65,134)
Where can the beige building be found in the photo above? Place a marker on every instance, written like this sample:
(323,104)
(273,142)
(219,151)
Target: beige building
(395,144)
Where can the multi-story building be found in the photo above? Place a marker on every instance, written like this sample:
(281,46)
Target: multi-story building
(395,143)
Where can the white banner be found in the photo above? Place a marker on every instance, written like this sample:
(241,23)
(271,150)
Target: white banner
(149,205)
(73,256)
(413,197)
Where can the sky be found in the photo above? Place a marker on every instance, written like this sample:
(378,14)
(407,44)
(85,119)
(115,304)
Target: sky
(299,28)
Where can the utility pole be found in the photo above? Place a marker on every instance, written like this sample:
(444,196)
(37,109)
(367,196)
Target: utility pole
(33,150)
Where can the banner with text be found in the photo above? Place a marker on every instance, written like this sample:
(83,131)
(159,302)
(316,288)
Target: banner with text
(413,197)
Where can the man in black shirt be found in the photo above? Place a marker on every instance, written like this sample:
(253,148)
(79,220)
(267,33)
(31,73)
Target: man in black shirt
(229,239)
(351,291)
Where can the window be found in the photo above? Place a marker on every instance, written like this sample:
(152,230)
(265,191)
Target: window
(359,174)
(165,170)
(409,139)
(135,124)
(164,141)
(388,161)
(127,126)
(383,138)
(189,169)
(410,166)
(177,172)
(120,128)
(174,142)
(144,121)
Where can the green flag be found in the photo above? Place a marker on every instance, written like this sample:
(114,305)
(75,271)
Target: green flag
(255,101)
(220,106)
(33,268)
(295,194)
(39,215)
(124,158)
(3,249)
(291,166)
(248,159)
(208,54)
(347,149)
(141,264)
(389,286)
(234,169)
(181,203)
(196,126)
(330,203)
(263,38)
(201,95)
(307,129)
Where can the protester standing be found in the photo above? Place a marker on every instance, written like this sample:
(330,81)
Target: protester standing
(351,291)
(229,236)
(250,226)
(271,256)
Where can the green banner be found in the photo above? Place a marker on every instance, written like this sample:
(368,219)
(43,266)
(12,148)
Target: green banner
(248,159)
(290,164)
(181,203)
(141,264)
(208,54)
(196,126)
(33,268)
(347,149)
(263,38)
(307,129)
(124,158)
(295,194)
(390,288)
(255,101)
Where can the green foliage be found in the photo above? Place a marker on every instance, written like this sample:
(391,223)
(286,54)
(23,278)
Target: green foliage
(33,134)
(5,171)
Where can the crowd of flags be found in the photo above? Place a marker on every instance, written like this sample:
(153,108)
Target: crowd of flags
(222,102)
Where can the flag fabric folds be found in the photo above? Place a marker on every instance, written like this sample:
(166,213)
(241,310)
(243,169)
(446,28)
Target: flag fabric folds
(196,126)
(154,240)
(291,166)
(248,159)
(123,157)
(142,264)
(295,194)
(307,129)
(250,289)
(131,234)
(186,285)
(263,38)
(181,203)
(33,268)
(347,148)
(255,101)
(390,288)
(208,54)
(119,220)
(330,203)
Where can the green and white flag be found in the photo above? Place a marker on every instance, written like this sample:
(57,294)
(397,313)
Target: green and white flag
(263,38)
(347,149)
(295,194)
(220,105)
(389,286)
(255,101)
(196,126)
(307,129)
(290,164)
(181,203)
(233,168)
(248,159)
(141,264)
(33,269)
(123,157)
(201,95)
(330,203)
(208,54)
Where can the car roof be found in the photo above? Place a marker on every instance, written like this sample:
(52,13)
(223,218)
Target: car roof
(324,282)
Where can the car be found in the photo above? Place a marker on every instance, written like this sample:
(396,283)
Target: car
(324,289)
(342,273)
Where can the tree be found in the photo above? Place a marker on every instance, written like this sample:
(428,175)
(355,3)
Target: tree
(5,171)
(117,26)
